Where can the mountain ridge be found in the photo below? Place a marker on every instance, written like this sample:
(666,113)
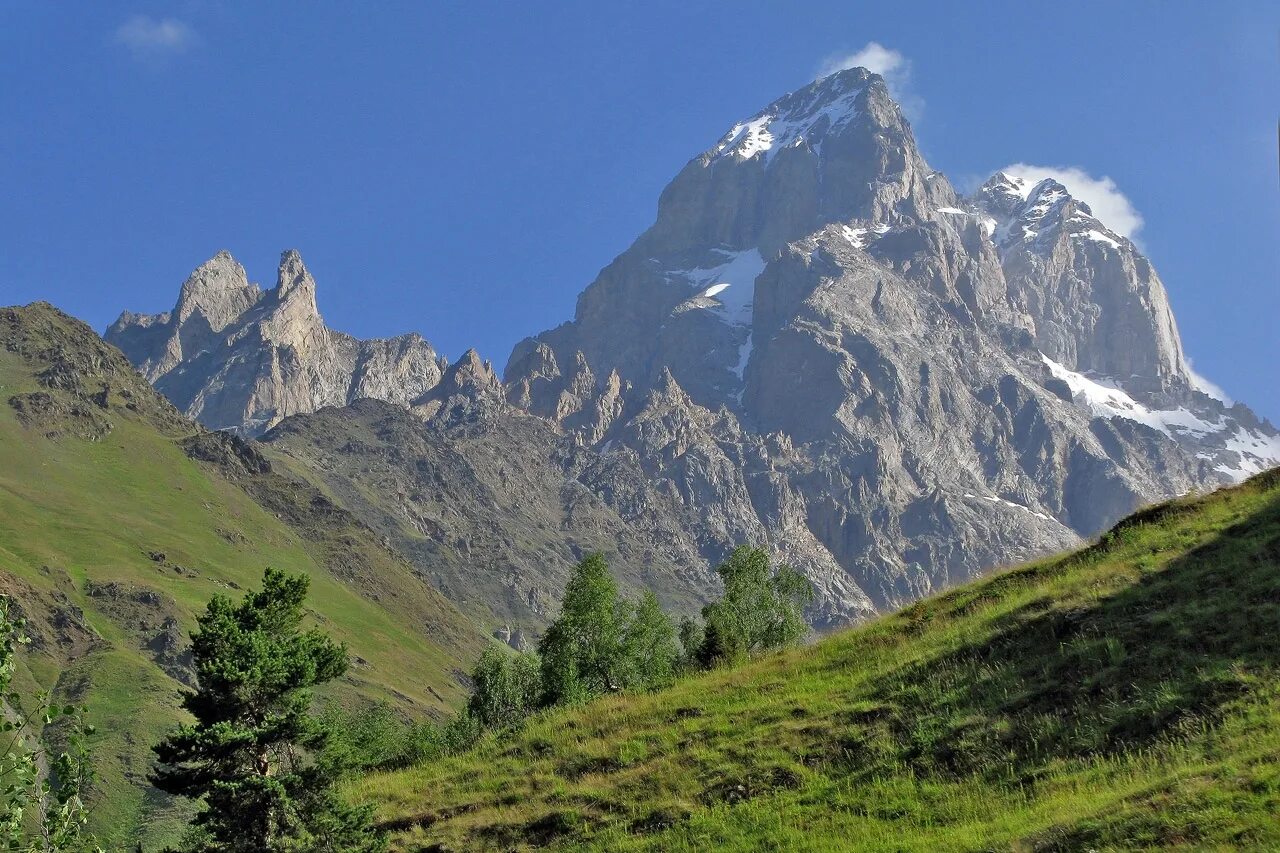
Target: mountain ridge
(821,347)
(120,518)
(237,357)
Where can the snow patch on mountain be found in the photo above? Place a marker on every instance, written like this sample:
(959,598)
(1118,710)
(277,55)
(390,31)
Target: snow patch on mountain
(856,236)
(1256,453)
(997,500)
(1096,236)
(727,289)
(1240,451)
(793,121)
(1108,400)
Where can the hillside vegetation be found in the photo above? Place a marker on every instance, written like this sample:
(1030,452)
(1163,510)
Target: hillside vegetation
(1122,696)
(120,519)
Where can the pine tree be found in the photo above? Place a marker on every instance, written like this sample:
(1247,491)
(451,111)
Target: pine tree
(250,754)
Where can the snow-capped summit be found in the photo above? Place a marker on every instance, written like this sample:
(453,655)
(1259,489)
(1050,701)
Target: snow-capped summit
(834,151)
(1003,194)
(861,351)
(1094,302)
(802,118)
(1026,211)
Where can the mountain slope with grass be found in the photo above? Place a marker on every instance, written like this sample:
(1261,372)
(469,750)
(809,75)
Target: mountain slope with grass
(1122,696)
(119,520)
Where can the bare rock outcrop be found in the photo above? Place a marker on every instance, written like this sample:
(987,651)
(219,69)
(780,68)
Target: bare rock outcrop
(234,356)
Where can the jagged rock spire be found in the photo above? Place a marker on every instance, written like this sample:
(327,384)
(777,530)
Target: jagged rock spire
(1095,301)
(236,358)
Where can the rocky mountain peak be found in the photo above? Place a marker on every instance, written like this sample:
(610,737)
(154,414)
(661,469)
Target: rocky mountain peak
(293,276)
(668,389)
(816,346)
(805,117)
(915,385)
(235,358)
(1003,194)
(1028,211)
(471,374)
(218,290)
(293,319)
(468,392)
(1094,302)
(835,150)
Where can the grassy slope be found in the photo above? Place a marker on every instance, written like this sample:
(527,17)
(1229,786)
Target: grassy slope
(1119,697)
(73,511)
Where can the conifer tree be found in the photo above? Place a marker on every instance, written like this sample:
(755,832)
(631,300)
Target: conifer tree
(250,753)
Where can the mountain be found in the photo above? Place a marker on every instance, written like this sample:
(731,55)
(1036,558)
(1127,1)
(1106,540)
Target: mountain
(494,505)
(120,518)
(1116,698)
(933,385)
(236,357)
(819,346)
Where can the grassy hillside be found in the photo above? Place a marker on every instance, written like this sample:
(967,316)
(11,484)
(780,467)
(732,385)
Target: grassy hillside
(113,537)
(1123,696)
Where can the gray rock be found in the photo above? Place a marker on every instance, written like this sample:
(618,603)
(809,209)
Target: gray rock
(833,354)
(235,357)
(1095,303)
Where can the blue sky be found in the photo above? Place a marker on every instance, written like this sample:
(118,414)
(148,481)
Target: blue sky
(464,170)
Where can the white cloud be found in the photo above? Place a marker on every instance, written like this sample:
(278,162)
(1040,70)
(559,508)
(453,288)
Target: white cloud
(1211,388)
(875,57)
(1102,195)
(889,64)
(148,37)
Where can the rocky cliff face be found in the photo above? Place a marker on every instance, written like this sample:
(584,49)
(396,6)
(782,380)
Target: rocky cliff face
(818,346)
(907,386)
(1095,303)
(236,357)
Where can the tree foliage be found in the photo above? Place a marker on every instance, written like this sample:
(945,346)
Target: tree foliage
(602,643)
(650,651)
(250,753)
(507,688)
(42,790)
(580,650)
(761,609)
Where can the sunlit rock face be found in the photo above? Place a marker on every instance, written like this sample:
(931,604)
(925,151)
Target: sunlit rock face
(237,357)
(907,386)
